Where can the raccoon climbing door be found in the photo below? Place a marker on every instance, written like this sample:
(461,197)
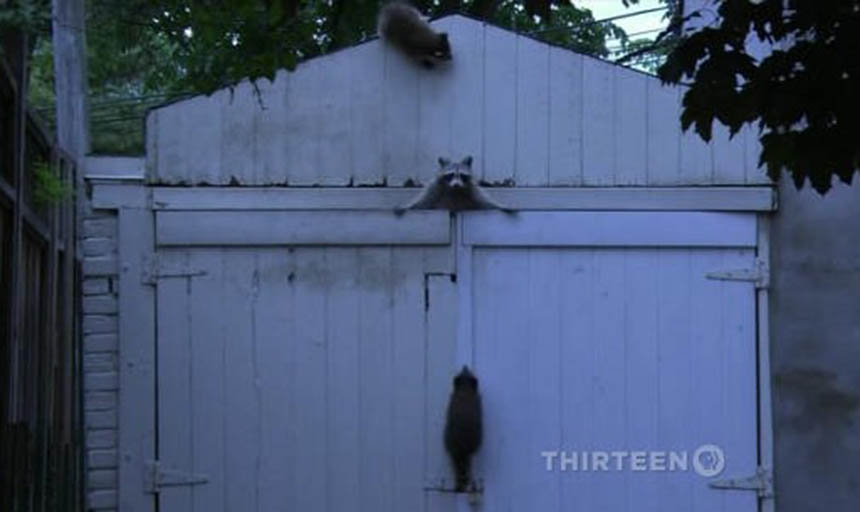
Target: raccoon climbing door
(607,358)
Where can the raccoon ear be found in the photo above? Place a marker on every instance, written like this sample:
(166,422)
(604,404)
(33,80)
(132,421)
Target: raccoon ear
(443,162)
(467,161)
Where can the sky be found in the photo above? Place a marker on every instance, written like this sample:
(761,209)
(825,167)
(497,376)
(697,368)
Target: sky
(608,8)
(652,23)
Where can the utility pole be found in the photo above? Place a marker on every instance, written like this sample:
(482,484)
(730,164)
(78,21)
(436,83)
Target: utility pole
(73,138)
(70,71)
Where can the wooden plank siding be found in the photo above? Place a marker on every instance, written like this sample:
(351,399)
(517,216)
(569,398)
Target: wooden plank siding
(530,114)
(278,367)
(314,373)
(741,198)
(264,228)
(614,348)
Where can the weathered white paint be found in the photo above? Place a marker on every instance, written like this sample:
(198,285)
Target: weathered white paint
(728,155)
(137,359)
(269,149)
(302,128)
(238,148)
(333,151)
(620,348)
(631,128)
(442,319)
(611,229)
(206,144)
(114,168)
(188,139)
(663,134)
(696,160)
(565,117)
(400,106)
(175,400)
(531,164)
(117,195)
(296,378)
(598,122)
(467,85)
(367,121)
(316,377)
(765,402)
(366,115)
(521,198)
(261,228)
(343,348)
(306,363)
(752,153)
(307,379)
(500,102)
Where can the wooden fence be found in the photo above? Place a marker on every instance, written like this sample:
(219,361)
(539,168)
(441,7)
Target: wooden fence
(40,445)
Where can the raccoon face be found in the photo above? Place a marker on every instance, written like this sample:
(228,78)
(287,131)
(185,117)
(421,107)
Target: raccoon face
(456,175)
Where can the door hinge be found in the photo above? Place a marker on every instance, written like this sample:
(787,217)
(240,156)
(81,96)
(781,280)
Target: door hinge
(759,274)
(157,477)
(155,269)
(761,482)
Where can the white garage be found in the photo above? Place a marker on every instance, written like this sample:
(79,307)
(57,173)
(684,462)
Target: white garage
(288,343)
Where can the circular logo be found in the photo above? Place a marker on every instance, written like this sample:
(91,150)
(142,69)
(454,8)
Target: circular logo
(709,460)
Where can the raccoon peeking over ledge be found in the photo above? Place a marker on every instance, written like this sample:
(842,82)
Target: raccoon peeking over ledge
(454,188)
(402,26)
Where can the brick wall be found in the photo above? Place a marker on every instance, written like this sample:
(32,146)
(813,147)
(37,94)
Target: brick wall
(101,379)
(99,240)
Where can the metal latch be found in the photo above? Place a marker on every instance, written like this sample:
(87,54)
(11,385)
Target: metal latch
(474,491)
(761,482)
(156,477)
(759,274)
(155,269)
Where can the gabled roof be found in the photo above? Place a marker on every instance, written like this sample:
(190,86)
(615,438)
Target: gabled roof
(530,113)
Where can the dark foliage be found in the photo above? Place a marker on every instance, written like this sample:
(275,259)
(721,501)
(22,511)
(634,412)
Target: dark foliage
(145,52)
(802,95)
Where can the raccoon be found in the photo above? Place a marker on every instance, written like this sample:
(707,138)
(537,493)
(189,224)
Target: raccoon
(463,426)
(403,26)
(455,189)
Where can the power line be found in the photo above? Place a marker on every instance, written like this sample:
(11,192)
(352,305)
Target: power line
(631,14)
(123,99)
(603,20)
(655,45)
(643,32)
(109,120)
(117,100)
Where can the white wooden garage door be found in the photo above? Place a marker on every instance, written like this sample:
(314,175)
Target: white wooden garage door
(600,335)
(315,377)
